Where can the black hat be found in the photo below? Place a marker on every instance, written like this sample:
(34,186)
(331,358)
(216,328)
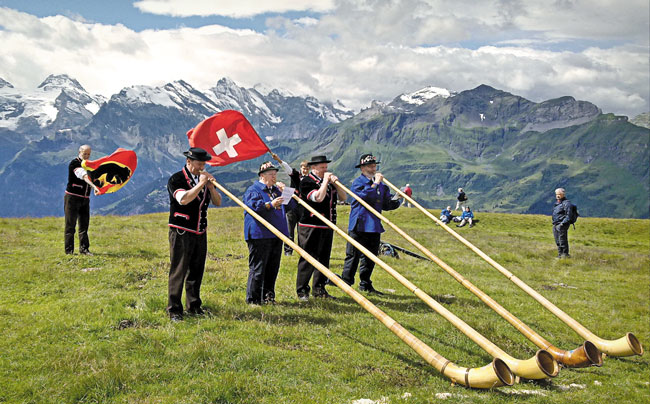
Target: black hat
(197,153)
(267,166)
(366,159)
(318,160)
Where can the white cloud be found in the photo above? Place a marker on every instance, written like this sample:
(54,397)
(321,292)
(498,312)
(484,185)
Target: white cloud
(359,51)
(230,8)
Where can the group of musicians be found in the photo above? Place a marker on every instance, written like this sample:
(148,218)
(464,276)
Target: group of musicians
(192,189)
(315,185)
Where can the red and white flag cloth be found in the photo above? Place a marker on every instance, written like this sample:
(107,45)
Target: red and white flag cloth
(228,137)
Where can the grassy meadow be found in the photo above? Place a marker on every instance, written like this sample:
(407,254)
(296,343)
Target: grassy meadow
(93,329)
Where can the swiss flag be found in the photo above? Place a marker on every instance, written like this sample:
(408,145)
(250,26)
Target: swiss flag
(228,137)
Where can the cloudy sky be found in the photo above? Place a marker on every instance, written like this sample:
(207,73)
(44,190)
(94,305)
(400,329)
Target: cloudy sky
(355,51)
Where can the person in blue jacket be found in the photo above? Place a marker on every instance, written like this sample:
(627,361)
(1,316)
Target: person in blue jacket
(446,216)
(264,247)
(466,217)
(365,227)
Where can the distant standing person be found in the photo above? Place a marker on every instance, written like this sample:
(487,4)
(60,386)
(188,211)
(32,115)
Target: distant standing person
(264,197)
(561,223)
(190,193)
(364,227)
(76,203)
(408,191)
(293,215)
(318,190)
(462,199)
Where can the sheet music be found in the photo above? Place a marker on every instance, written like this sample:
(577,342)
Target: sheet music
(287,193)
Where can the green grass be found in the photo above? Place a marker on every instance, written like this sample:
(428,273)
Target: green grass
(79,329)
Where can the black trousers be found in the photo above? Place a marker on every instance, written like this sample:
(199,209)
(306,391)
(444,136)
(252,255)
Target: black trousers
(263,266)
(292,220)
(353,256)
(561,234)
(76,209)
(187,252)
(318,243)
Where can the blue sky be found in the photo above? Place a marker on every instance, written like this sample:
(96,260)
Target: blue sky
(124,12)
(354,51)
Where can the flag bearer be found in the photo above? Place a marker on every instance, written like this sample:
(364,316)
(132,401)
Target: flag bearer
(76,203)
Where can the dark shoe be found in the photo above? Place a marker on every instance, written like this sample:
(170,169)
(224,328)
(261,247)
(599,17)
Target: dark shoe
(303,298)
(323,295)
(86,252)
(195,311)
(371,291)
(175,317)
(288,253)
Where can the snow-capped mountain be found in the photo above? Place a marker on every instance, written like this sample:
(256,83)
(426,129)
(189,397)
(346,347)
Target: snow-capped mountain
(423,95)
(43,128)
(409,102)
(276,114)
(58,103)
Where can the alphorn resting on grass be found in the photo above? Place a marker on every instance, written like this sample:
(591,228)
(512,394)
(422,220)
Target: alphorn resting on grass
(495,374)
(541,366)
(585,355)
(624,346)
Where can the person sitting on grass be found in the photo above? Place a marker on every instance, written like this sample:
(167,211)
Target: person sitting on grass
(445,215)
(466,217)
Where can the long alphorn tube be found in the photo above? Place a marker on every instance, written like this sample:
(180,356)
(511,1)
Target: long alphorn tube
(624,346)
(541,366)
(585,355)
(495,374)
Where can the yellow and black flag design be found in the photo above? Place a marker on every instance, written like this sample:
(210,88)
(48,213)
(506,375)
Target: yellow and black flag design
(112,172)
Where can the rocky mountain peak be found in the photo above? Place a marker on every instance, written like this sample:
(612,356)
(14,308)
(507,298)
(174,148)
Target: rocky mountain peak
(60,82)
(423,95)
(5,84)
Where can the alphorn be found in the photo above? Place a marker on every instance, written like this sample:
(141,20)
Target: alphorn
(495,374)
(585,355)
(541,366)
(624,346)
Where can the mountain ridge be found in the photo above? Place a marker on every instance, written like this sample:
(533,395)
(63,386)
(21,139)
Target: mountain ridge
(484,139)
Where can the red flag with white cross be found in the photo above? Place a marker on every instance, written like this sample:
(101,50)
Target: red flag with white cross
(228,137)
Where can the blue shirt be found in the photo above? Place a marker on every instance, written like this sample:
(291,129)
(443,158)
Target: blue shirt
(446,213)
(467,215)
(256,197)
(361,220)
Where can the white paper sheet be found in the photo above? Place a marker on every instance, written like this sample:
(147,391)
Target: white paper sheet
(286,195)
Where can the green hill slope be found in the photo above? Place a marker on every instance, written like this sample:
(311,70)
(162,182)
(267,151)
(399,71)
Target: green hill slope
(78,329)
(603,163)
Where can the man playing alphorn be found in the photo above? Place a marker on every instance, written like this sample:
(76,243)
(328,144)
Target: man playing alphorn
(190,193)
(365,227)
(318,190)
